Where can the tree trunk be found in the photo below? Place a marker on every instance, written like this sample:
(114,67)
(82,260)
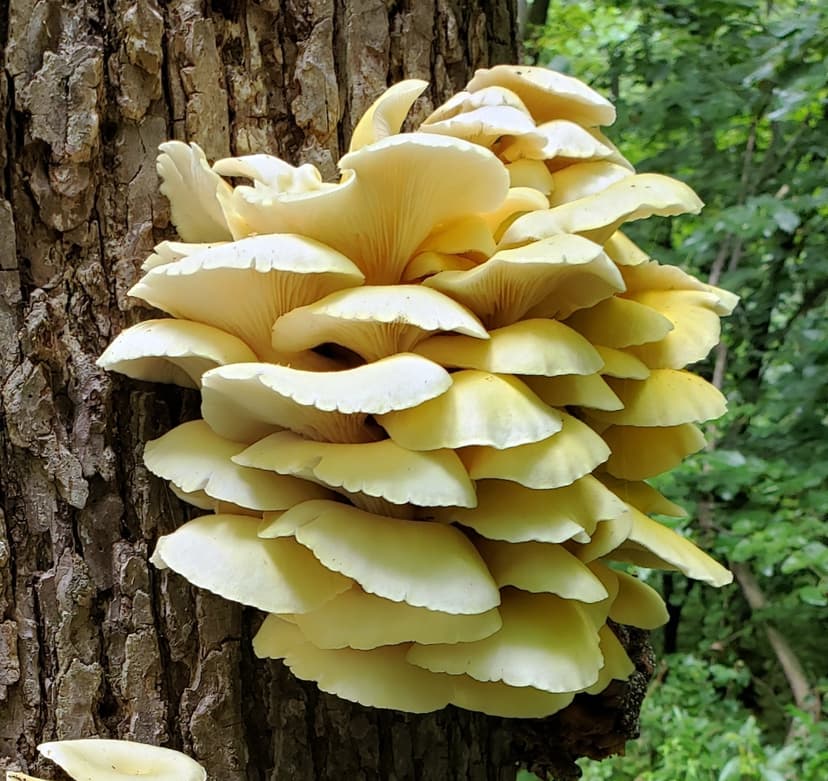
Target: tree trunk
(93,640)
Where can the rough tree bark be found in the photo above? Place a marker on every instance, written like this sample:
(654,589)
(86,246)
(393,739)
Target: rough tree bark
(93,641)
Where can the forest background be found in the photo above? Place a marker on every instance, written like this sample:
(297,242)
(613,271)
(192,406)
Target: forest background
(732,98)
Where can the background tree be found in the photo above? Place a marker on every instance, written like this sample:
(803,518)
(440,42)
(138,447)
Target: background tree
(93,641)
(733,97)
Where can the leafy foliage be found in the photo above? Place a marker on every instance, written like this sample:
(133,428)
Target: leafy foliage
(732,96)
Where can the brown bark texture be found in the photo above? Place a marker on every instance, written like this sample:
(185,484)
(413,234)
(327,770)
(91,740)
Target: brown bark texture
(93,640)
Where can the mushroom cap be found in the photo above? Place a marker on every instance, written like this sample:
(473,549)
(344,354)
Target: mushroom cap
(424,264)
(617,665)
(118,760)
(536,346)
(639,453)
(169,251)
(549,278)
(486,124)
(272,173)
(511,702)
(172,351)
(696,327)
(424,564)
(558,138)
(387,113)
(618,363)
(541,567)
(464,101)
(649,275)
(511,512)
(435,478)
(551,463)
(242,287)
(582,390)
(531,174)
(519,200)
(364,621)
(374,321)
(547,94)
(666,398)
(469,236)
(623,251)
(637,604)
(643,497)
(598,216)
(192,189)
(545,642)
(371,216)
(223,554)
(619,323)
(247,401)
(581,180)
(194,458)
(379,678)
(608,535)
(676,550)
(479,408)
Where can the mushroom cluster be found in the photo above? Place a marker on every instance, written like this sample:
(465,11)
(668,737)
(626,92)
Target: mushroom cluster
(432,393)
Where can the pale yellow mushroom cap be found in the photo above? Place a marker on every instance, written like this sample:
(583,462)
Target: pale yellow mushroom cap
(379,678)
(242,287)
(512,702)
(519,200)
(541,567)
(676,550)
(551,515)
(608,535)
(118,760)
(535,346)
(549,278)
(639,452)
(487,124)
(479,408)
(247,401)
(272,173)
(642,496)
(464,101)
(387,113)
(435,478)
(374,321)
(364,621)
(548,94)
(531,174)
(666,398)
(618,323)
(555,140)
(587,390)
(169,251)
(223,554)
(194,458)
(559,653)
(370,216)
(617,665)
(581,180)
(637,604)
(192,189)
(618,363)
(598,216)
(551,463)
(430,565)
(172,351)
